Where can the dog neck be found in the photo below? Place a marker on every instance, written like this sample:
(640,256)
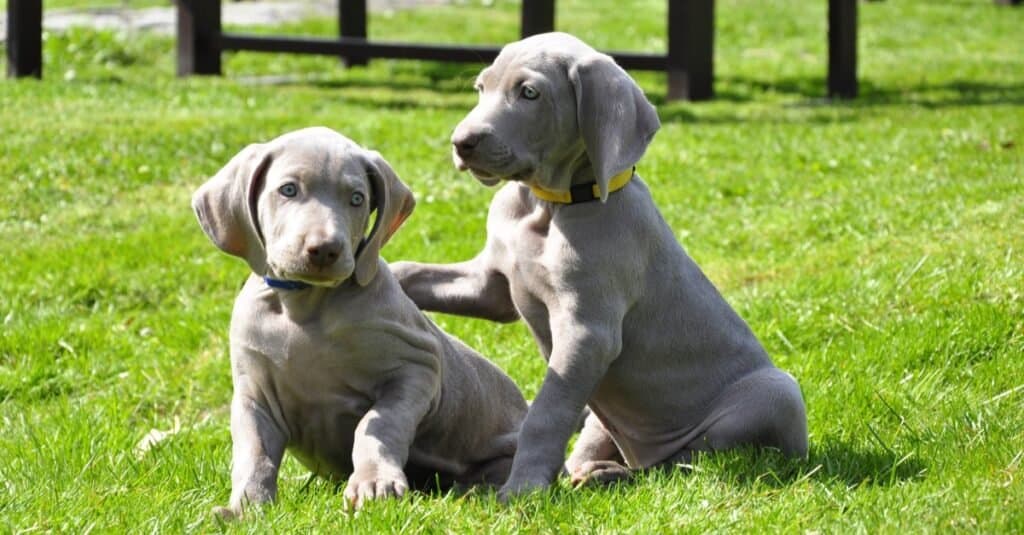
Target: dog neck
(583,192)
(300,300)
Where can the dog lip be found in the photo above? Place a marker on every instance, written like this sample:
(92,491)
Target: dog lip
(322,279)
(460,163)
(485,177)
(463,165)
(325,282)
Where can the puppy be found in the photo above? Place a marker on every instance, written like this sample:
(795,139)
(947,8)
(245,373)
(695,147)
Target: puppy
(627,322)
(329,358)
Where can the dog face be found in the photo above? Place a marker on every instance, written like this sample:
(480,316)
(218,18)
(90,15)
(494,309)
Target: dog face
(313,211)
(551,108)
(297,208)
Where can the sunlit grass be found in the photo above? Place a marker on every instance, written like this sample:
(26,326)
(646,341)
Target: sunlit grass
(875,247)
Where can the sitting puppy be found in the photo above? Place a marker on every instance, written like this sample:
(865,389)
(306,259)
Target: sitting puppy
(329,357)
(625,319)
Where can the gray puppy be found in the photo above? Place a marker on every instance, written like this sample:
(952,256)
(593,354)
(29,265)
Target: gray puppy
(625,319)
(329,358)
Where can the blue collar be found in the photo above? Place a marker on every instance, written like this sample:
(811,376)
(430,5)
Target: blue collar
(282,284)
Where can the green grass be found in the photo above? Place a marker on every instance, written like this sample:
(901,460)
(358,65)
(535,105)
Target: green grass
(875,246)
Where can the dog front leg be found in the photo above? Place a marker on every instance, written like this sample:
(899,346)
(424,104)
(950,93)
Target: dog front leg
(382,440)
(473,288)
(257,446)
(581,354)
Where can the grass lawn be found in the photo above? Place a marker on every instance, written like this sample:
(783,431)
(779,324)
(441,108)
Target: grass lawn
(875,246)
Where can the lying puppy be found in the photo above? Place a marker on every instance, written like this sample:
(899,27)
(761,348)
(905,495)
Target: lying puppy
(626,320)
(329,357)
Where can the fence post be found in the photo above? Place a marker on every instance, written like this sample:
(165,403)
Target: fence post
(691,44)
(24,38)
(198,40)
(842,48)
(352,23)
(537,16)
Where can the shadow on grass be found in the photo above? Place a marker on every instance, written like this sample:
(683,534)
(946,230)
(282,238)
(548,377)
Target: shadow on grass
(931,95)
(401,85)
(833,462)
(396,86)
(811,94)
(435,76)
(424,75)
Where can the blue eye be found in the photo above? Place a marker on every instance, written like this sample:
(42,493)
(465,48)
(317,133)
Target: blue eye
(530,93)
(288,190)
(358,198)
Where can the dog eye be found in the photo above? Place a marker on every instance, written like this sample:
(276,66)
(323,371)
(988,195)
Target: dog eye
(358,198)
(529,93)
(288,190)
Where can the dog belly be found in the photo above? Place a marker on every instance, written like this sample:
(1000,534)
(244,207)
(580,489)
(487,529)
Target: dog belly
(653,411)
(643,448)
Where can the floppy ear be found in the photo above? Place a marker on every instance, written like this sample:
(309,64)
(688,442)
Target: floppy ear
(226,206)
(616,121)
(394,203)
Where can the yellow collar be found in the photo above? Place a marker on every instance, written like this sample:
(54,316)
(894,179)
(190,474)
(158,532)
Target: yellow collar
(583,192)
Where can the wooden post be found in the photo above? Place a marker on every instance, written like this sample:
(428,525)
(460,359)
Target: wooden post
(537,16)
(691,42)
(352,23)
(199,31)
(842,48)
(24,38)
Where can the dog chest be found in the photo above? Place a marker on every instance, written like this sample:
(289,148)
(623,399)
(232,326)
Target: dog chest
(322,439)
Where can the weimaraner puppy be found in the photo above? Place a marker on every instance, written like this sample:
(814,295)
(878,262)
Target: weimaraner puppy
(329,358)
(627,322)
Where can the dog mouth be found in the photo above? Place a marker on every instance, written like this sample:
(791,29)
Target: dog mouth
(483,177)
(487,174)
(312,279)
(330,277)
(316,281)
(489,177)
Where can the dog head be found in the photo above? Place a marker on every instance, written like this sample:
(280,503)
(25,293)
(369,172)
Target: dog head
(551,108)
(297,207)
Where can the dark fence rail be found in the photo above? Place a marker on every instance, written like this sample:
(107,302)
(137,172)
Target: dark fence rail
(688,62)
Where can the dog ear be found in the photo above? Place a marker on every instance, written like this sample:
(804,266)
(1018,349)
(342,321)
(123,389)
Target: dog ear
(226,206)
(615,119)
(394,203)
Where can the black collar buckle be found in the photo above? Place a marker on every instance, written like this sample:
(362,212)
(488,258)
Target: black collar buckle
(582,193)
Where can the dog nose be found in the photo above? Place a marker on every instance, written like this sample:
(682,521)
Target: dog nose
(324,254)
(465,142)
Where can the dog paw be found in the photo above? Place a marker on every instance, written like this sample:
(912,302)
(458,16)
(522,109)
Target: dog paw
(515,488)
(374,486)
(226,514)
(599,473)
